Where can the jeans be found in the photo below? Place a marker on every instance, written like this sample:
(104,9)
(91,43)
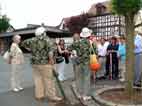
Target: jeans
(83,80)
(138,69)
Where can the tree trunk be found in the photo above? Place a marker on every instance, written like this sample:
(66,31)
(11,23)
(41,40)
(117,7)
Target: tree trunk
(129,20)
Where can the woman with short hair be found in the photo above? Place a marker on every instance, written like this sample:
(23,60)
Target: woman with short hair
(16,60)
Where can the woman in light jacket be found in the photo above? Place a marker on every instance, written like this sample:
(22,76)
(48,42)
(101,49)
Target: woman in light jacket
(16,60)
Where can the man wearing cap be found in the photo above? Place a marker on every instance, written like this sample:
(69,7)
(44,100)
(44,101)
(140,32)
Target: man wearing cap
(42,62)
(138,59)
(74,47)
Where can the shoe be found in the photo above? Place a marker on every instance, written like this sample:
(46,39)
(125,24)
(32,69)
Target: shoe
(79,96)
(122,79)
(16,90)
(20,88)
(56,99)
(86,98)
(137,85)
(40,99)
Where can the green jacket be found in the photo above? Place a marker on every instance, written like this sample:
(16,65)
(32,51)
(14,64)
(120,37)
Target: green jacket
(40,48)
(82,48)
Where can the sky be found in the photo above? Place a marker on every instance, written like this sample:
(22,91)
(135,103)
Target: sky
(50,12)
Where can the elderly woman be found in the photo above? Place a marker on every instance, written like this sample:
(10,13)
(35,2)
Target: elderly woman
(16,60)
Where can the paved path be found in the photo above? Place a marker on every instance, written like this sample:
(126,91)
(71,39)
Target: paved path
(26,97)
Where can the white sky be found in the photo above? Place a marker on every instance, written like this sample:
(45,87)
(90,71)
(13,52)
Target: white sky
(51,12)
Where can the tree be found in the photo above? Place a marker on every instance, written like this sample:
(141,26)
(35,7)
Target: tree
(76,23)
(128,8)
(4,23)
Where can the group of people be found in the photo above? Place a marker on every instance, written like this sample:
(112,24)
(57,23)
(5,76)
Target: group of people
(111,55)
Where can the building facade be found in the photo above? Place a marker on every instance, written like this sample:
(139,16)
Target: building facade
(104,23)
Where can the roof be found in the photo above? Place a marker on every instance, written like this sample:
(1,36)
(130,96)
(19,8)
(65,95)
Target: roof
(31,30)
(106,4)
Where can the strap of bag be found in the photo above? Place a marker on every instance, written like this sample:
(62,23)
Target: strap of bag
(91,49)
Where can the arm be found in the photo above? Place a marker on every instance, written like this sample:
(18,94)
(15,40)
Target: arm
(51,58)
(59,49)
(12,52)
(27,44)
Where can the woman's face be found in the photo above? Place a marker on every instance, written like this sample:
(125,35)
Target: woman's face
(17,39)
(62,42)
(113,41)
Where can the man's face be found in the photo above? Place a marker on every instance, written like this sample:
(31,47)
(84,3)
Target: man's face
(76,36)
(102,41)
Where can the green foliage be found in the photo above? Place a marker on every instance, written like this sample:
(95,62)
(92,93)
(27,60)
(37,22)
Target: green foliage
(76,23)
(124,7)
(4,23)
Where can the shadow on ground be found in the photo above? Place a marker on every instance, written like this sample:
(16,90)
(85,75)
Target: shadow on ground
(26,98)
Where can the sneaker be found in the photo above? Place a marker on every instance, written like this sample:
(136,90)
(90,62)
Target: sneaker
(137,85)
(20,88)
(40,99)
(16,90)
(56,99)
(122,79)
(86,98)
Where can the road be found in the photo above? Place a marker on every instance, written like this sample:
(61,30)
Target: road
(26,97)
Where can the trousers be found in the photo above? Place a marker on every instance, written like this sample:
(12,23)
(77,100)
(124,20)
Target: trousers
(138,69)
(44,81)
(16,75)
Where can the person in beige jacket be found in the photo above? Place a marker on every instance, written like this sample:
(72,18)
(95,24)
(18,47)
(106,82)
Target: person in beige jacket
(16,60)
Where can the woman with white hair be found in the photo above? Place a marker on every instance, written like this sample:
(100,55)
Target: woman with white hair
(16,60)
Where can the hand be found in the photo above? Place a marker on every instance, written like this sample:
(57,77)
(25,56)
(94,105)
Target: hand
(66,51)
(9,61)
(51,62)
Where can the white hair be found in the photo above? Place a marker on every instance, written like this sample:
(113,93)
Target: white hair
(16,37)
(40,31)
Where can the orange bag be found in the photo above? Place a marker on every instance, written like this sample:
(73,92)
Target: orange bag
(94,64)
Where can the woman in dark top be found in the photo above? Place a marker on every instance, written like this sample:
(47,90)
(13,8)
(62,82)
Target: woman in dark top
(112,59)
(61,51)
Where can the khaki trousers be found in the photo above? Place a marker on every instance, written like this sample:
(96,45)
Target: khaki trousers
(44,81)
(16,75)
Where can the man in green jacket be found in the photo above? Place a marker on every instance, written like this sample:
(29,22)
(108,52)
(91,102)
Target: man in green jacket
(42,62)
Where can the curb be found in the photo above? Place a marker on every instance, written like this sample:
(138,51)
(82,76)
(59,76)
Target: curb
(103,102)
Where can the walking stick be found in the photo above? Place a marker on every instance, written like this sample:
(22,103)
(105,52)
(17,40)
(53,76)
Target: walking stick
(59,85)
(110,65)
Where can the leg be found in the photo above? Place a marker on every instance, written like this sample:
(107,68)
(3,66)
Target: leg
(86,79)
(13,76)
(50,88)
(38,80)
(100,73)
(60,69)
(116,69)
(138,69)
(78,79)
(107,66)
(19,76)
(113,70)
(122,71)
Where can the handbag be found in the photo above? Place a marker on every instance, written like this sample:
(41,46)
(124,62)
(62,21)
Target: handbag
(94,64)
(6,55)
(59,59)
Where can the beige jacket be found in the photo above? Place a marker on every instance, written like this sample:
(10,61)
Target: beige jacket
(16,54)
